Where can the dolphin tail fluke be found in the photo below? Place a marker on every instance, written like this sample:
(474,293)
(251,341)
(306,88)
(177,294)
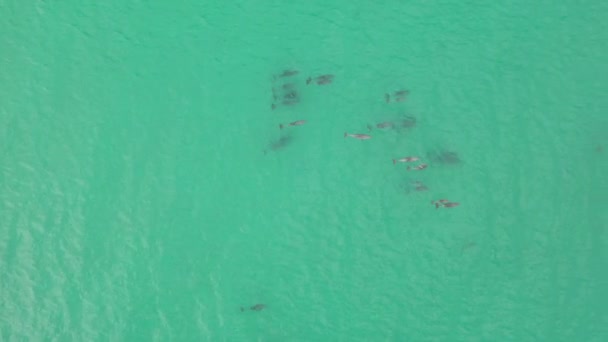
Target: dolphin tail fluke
(345,134)
(281,126)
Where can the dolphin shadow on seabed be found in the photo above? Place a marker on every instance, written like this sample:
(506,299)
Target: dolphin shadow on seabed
(444,157)
(400,124)
(284,90)
(285,95)
(414,186)
(280,143)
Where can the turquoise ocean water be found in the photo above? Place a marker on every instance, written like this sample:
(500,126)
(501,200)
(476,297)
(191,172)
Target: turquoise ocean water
(137,204)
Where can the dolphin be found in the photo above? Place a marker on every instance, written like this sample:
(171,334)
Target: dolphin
(257,307)
(358,136)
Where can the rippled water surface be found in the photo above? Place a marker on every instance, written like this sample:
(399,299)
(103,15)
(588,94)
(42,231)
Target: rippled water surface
(147,192)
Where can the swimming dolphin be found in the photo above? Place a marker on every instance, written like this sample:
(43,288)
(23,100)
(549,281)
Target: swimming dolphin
(287,73)
(321,80)
(257,307)
(405,160)
(358,136)
(418,167)
(295,123)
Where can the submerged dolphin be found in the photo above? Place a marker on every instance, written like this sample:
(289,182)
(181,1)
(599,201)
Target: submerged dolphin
(279,143)
(257,307)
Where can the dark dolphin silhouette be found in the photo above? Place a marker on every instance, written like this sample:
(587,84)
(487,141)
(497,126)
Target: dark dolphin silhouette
(257,307)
